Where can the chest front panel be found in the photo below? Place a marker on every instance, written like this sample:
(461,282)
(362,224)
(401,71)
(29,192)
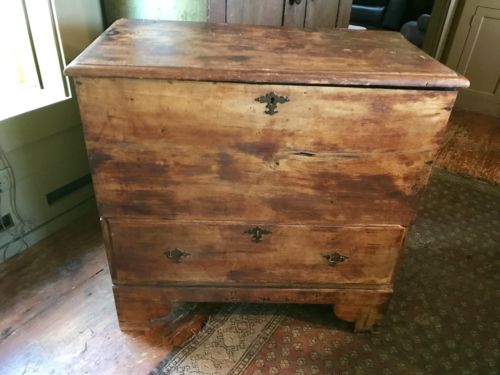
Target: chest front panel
(208,151)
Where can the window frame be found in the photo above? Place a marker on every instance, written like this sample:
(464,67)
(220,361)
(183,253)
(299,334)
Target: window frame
(29,99)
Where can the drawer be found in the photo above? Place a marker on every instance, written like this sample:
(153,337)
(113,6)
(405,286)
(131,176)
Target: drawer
(207,151)
(213,253)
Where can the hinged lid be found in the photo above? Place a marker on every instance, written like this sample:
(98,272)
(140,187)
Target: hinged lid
(243,53)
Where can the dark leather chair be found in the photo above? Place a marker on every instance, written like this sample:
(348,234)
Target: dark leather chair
(379,14)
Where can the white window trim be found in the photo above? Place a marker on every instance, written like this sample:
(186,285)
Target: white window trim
(49,61)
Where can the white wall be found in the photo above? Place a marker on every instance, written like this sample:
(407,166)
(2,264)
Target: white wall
(45,147)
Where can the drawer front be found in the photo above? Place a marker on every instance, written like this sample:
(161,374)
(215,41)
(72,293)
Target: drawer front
(206,151)
(212,253)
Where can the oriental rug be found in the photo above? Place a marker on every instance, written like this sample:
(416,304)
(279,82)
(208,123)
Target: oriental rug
(444,317)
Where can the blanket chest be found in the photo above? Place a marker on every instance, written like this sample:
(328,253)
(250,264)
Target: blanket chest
(240,163)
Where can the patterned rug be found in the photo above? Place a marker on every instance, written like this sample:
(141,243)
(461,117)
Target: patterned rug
(444,317)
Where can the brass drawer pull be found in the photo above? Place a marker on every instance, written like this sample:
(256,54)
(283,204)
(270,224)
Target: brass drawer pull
(335,258)
(176,255)
(272,100)
(257,233)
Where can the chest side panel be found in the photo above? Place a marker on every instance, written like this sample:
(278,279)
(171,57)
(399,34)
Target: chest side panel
(207,151)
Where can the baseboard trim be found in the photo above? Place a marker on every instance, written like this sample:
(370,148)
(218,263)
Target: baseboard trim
(49,227)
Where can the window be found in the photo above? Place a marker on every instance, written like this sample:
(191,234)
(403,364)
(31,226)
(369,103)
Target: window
(31,61)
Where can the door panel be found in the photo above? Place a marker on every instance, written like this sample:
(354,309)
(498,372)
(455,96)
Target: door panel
(474,54)
(216,11)
(321,14)
(255,12)
(294,14)
(311,14)
(344,14)
(480,62)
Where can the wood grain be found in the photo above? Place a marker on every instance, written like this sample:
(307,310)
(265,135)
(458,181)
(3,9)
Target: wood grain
(255,12)
(202,151)
(216,11)
(137,313)
(187,158)
(226,254)
(321,14)
(57,314)
(363,306)
(30,282)
(344,14)
(365,313)
(215,52)
(294,14)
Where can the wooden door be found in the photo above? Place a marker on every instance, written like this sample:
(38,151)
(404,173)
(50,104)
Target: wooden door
(321,14)
(295,13)
(255,12)
(327,14)
(474,53)
(311,14)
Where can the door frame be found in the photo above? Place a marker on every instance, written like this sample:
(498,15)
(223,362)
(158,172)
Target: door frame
(439,27)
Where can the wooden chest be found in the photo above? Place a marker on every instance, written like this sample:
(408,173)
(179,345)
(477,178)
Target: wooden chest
(245,163)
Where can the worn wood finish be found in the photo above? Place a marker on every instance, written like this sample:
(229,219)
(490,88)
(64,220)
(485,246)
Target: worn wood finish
(321,14)
(136,313)
(344,14)
(57,314)
(106,236)
(214,52)
(225,253)
(255,12)
(364,307)
(323,157)
(364,314)
(189,163)
(29,283)
(216,11)
(294,14)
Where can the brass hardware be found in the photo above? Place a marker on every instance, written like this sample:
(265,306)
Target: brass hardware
(176,255)
(272,100)
(335,258)
(257,233)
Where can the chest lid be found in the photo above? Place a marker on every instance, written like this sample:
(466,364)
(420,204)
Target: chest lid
(259,54)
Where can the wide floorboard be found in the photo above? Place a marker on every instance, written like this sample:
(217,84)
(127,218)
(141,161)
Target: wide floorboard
(57,313)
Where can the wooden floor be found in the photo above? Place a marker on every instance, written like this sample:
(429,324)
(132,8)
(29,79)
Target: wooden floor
(57,313)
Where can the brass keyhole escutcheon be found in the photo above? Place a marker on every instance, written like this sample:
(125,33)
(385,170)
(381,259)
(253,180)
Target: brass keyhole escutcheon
(176,255)
(272,100)
(335,258)
(257,233)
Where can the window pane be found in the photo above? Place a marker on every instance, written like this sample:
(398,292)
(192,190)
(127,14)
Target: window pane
(17,66)
(31,60)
